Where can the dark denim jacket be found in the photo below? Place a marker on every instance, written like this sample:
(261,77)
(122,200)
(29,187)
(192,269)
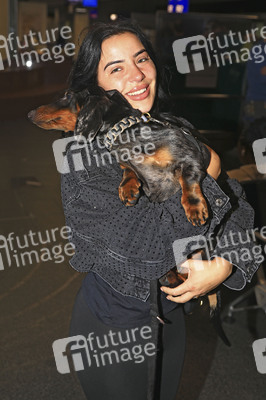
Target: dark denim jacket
(129,246)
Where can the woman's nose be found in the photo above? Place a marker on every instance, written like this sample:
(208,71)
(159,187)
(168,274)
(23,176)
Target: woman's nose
(136,74)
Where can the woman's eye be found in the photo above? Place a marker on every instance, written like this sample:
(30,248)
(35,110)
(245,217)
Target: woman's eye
(143,59)
(116,70)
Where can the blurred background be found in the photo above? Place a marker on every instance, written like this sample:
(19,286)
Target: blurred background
(226,101)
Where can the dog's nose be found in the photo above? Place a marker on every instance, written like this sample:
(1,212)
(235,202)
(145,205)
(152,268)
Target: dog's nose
(31,114)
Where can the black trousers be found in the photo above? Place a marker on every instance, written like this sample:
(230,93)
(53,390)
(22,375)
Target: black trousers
(118,357)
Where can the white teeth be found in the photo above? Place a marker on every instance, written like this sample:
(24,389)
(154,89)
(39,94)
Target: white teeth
(138,92)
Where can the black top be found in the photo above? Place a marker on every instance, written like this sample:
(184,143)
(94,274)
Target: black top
(115,309)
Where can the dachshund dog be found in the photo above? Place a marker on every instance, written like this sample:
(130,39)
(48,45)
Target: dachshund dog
(177,161)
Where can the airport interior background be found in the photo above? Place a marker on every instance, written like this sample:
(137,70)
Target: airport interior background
(38,290)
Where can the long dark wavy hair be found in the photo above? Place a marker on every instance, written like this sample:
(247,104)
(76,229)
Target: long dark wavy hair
(83,77)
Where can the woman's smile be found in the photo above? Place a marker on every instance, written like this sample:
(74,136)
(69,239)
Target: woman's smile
(139,93)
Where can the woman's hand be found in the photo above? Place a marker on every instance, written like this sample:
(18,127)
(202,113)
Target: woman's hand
(214,168)
(203,276)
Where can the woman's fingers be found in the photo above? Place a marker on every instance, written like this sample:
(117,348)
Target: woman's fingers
(182,293)
(177,291)
(181,299)
(203,277)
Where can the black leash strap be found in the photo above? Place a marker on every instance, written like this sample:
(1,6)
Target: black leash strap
(215,314)
(217,323)
(155,321)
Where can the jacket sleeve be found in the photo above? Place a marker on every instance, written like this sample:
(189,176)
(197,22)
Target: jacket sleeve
(235,238)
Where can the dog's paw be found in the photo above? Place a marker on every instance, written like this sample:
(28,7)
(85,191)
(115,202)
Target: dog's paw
(196,211)
(129,192)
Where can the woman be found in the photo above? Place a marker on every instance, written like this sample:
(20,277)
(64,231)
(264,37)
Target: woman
(124,248)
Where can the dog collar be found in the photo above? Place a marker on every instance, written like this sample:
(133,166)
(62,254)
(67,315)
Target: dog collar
(122,125)
(126,123)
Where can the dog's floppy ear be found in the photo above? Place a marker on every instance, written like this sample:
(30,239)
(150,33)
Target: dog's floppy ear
(119,108)
(116,96)
(121,102)
(90,119)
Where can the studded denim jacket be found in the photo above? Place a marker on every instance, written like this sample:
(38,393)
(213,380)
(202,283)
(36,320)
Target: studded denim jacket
(129,246)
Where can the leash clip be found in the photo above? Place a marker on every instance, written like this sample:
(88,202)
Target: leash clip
(146,117)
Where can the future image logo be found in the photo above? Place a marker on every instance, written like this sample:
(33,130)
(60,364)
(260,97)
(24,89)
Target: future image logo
(74,152)
(197,48)
(79,353)
(36,47)
(259,350)
(35,247)
(185,246)
(200,52)
(77,145)
(259,150)
(225,247)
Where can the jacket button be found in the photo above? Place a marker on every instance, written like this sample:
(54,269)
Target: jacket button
(219,202)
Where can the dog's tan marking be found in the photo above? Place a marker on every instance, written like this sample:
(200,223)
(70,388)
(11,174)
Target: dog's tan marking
(162,157)
(212,301)
(129,187)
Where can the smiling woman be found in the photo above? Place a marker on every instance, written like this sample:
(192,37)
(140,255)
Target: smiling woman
(125,249)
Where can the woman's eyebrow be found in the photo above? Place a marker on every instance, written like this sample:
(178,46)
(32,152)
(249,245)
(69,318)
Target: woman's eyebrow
(120,61)
(139,52)
(113,62)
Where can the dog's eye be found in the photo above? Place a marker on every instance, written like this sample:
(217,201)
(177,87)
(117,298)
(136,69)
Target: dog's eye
(67,96)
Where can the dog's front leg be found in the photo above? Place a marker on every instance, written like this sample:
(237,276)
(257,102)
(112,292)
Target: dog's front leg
(193,202)
(129,187)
